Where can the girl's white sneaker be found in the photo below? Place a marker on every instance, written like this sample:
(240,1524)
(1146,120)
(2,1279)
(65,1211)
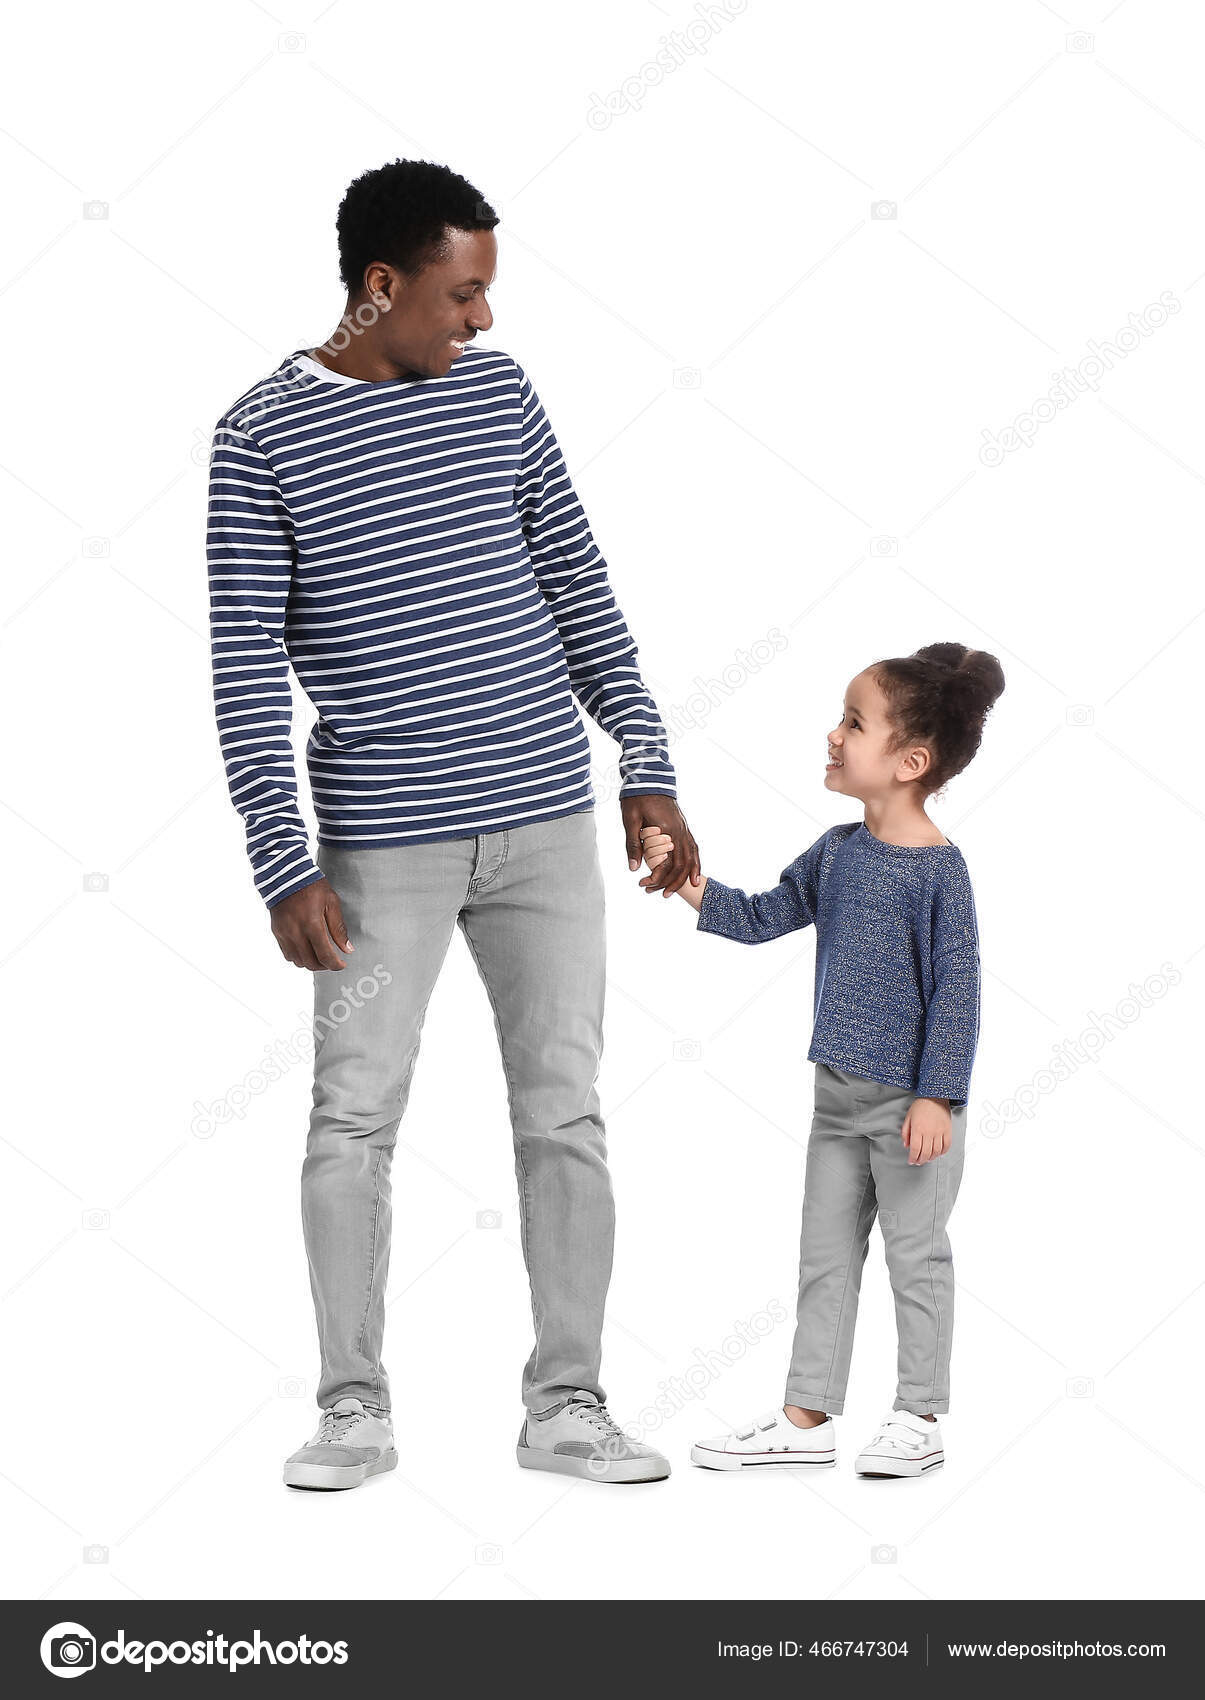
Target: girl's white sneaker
(905,1445)
(770,1439)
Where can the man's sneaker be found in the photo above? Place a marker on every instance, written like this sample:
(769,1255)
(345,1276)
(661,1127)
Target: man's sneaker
(906,1445)
(580,1438)
(770,1439)
(351,1444)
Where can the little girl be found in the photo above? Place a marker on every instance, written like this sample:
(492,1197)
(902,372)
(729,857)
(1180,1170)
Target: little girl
(896,1025)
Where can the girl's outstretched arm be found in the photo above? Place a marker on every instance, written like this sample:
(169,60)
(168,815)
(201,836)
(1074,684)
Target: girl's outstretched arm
(733,914)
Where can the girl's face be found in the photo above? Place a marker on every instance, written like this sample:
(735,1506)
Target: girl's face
(859,763)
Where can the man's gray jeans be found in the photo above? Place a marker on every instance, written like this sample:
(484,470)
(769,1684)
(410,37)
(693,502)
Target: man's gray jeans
(857,1168)
(530,904)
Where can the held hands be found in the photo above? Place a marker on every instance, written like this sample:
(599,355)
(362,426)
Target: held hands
(654,813)
(927,1129)
(657,847)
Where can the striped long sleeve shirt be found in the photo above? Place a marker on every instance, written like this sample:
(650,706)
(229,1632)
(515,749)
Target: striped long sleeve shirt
(416,550)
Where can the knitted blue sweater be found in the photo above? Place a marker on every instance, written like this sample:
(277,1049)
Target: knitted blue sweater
(897,954)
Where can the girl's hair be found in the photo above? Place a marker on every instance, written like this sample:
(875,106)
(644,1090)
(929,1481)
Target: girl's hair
(940,697)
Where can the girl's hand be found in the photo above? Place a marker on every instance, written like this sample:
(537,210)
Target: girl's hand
(656,846)
(927,1129)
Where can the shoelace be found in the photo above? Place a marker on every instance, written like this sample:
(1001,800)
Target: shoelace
(335,1424)
(601,1419)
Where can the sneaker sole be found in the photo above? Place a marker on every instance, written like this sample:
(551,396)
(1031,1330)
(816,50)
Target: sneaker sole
(618,1470)
(886,1469)
(711,1460)
(330,1478)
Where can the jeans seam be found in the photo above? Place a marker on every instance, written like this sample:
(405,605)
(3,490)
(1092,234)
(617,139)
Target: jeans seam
(933,1290)
(477,884)
(372,1263)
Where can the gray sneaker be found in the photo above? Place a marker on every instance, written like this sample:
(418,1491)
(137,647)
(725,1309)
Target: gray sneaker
(351,1444)
(581,1438)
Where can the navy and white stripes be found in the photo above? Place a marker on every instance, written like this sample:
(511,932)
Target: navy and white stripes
(417,550)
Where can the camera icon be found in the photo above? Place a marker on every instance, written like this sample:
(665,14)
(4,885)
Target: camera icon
(1080,714)
(95,548)
(687,377)
(96,209)
(883,210)
(292,42)
(95,1221)
(1081,1387)
(1079,41)
(889,1218)
(883,1555)
(884,546)
(96,882)
(71,1651)
(96,1555)
(489,1218)
(687,1050)
(290,1387)
(489,1554)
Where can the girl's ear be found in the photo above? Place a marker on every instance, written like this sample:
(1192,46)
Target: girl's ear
(917,761)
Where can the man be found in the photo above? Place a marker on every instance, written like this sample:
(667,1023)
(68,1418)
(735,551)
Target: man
(391,512)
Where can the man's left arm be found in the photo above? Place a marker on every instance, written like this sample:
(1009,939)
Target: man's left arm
(600,651)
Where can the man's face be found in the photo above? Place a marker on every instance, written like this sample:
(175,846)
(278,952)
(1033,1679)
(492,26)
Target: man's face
(432,316)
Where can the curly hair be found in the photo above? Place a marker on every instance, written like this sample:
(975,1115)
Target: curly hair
(400,213)
(940,697)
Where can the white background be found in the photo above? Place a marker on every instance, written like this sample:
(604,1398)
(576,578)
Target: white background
(752,378)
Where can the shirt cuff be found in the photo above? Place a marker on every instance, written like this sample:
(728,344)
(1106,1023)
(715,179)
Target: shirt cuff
(955,1091)
(708,918)
(298,883)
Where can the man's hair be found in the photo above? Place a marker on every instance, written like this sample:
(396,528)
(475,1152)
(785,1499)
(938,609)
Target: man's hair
(400,214)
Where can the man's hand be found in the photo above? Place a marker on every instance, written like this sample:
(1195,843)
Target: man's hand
(683,860)
(308,927)
(927,1129)
(657,846)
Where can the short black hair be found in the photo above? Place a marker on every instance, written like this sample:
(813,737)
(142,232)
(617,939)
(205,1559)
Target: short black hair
(400,212)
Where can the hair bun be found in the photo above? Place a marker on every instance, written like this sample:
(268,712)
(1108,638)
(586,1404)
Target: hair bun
(978,679)
(939,695)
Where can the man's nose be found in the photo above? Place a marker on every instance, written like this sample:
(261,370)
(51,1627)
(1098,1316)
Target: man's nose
(481,318)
